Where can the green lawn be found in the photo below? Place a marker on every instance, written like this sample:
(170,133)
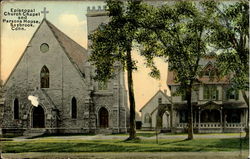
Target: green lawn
(166,145)
(153,133)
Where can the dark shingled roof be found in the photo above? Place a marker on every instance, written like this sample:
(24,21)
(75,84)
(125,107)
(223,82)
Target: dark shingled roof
(76,53)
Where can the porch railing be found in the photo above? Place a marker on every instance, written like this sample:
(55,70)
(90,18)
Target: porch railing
(234,125)
(212,125)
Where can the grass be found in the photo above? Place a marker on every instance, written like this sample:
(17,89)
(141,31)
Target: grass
(147,145)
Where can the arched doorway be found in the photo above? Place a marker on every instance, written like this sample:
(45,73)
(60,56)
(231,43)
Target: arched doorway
(38,117)
(103,118)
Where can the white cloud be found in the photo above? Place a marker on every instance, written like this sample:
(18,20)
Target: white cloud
(71,20)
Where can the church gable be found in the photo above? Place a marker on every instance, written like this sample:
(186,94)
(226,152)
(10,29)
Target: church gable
(158,98)
(76,53)
(51,48)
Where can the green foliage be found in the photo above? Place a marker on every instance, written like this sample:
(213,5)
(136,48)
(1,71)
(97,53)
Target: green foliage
(230,35)
(179,34)
(112,42)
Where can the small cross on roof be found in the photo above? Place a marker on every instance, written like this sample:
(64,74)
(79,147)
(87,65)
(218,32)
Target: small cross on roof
(44,12)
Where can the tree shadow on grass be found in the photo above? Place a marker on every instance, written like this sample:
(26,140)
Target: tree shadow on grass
(134,140)
(231,143)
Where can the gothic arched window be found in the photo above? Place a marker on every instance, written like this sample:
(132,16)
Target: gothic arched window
(73,108)
(44,75)
(16,109)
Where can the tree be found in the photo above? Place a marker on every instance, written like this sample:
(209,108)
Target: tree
(178,33)
(113,42)
(230,36)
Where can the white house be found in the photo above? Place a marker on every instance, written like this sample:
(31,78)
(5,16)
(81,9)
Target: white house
(150,109)
(215,107)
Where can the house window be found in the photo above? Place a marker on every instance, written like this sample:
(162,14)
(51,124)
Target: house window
(44,75)
(210,93)
(73,108)
(233,94)
(160,100)
(102,85)
(16,109)
(207,72)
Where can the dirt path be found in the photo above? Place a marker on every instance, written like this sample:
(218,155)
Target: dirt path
(130,155)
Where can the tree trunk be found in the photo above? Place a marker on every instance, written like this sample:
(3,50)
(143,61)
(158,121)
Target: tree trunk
(132,132)
(190,113)
(247,102)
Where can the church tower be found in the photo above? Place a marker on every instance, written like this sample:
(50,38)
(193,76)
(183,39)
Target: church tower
(118,109)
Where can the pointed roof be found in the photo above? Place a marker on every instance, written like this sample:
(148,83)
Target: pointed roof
(159,91)
(76,53)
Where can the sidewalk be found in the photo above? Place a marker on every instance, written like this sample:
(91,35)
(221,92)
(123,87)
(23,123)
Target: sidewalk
(160,136)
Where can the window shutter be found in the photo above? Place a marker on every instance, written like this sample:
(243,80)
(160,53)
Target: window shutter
(205,93)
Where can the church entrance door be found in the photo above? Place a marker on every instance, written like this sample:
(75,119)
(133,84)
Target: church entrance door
(103,118)
(38,117)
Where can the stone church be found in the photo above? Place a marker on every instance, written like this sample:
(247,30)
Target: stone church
(55,69)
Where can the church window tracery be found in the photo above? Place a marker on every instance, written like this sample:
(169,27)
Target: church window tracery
(44,48)
(44,77)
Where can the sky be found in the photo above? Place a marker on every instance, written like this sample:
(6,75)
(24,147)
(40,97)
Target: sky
(70,18)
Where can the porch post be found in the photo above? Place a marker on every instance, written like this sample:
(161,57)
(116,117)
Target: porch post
(195,112)
(246,112)
(225,120)
(221,122)
(199,124)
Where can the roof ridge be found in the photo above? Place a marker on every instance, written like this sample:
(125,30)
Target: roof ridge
(159,91)
(20,58)
(52,25)
(76,53)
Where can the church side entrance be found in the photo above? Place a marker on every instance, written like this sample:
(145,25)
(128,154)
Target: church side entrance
(103,118)
(38,117)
